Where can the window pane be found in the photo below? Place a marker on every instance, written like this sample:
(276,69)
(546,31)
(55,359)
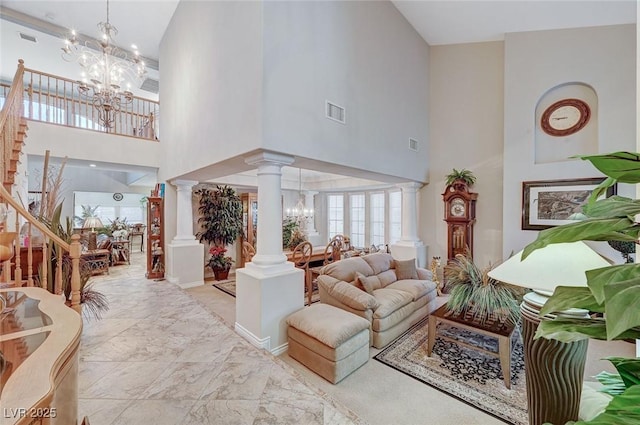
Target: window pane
(335,212)
(357,220)
(377,219)
(106,215)
(132,214)
(395,216)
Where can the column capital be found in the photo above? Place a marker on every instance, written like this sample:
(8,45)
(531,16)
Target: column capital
(269,158)
(409,186)
(182,183)
(310,192)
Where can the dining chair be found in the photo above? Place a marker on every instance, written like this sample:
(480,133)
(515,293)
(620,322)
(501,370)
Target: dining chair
(300,257)
(248,251)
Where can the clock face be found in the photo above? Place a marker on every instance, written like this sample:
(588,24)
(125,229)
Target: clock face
(565,117)
(458,207)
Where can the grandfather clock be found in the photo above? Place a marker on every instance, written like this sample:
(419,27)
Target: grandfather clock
(460,215)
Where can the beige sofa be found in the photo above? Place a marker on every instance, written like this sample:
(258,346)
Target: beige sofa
(391,306)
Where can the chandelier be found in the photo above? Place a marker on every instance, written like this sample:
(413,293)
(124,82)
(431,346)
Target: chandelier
(300,214)
(105,69)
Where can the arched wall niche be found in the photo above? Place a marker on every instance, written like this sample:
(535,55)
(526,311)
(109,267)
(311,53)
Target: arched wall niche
(550,148)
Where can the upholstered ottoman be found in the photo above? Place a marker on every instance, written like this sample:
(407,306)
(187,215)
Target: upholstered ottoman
(329,341)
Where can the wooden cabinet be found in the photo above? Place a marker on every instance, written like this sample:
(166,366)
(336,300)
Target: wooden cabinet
(249,223)
(155,238)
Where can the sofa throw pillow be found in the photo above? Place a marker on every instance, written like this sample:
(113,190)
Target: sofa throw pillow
(365,282)
(406,269)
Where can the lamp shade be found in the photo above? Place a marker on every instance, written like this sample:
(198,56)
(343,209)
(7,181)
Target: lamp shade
(92,223)
(561,264)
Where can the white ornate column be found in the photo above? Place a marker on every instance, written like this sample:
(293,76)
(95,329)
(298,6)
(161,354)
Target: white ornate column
(410,246)
(269,288)
(184,254)
(312,234)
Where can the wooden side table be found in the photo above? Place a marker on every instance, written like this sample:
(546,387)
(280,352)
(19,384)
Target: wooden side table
(120,252)
(502,330)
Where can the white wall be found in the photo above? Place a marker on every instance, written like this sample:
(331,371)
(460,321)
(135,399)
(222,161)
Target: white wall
(211,60)
(361,55)
(87,180)
(603,58)
(466,131)
(90,145)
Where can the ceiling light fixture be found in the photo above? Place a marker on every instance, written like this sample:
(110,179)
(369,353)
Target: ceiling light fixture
(300,213)
(106,68)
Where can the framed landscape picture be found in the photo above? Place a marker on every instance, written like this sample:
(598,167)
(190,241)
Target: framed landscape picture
(549,203)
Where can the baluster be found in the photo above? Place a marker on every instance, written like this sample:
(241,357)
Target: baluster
(18,270)
(75,252)
(30,257)
(58,278)
(45,264)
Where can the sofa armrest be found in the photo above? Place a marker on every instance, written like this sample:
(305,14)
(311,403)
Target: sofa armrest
(347,294)
(424,274)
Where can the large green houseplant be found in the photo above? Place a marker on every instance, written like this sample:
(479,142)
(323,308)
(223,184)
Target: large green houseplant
(613,291)
(220,218)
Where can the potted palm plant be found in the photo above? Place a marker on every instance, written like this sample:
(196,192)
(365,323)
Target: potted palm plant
(221,223)
(613,292)
(463,176)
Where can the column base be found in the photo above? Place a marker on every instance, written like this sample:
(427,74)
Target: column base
(263,302)
(405,250)
(185,264)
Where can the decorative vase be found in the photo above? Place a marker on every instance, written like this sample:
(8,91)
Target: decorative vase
(220,274)
(6,245)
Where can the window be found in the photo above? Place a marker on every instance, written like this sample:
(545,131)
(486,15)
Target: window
(395,216)
(357,220)
(335,212)
(376,230)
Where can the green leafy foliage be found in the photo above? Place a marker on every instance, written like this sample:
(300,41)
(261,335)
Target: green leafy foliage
(220,215)
(464,174)
(473,291)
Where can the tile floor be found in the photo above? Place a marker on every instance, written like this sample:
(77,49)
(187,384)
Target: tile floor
(158,357)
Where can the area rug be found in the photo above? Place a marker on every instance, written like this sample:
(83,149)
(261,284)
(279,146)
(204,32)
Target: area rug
(466,374)
(229,286)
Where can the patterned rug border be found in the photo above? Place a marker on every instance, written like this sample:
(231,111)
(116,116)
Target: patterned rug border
(220,287)
(392,345)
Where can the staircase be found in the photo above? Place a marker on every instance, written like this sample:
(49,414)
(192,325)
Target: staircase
(13,132)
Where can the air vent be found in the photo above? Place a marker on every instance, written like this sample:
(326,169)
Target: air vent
(335,112)
(413,145)
(150,85)
(28,37)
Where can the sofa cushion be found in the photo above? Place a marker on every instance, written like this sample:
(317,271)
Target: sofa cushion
(379,262)
(406,269)
(346,269)
(387,277)
(347,293)
(368,284)
(389,301)
(417,288)
(385,323)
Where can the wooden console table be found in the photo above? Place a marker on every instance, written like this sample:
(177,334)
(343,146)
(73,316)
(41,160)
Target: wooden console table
(39,340)
(502,330)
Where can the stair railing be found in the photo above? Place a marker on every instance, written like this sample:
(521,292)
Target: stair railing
(12,132)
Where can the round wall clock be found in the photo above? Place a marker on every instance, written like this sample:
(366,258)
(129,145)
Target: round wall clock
(565,117)
(118,196)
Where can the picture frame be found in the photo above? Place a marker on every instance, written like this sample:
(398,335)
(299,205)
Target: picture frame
(550,203)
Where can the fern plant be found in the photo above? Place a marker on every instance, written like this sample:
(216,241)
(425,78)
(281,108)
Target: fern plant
(472,291)
(464,175)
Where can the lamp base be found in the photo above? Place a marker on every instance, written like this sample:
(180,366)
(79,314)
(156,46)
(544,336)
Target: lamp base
(93,241)
(554,371)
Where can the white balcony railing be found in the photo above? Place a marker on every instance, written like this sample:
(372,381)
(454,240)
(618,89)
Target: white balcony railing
(56,100)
